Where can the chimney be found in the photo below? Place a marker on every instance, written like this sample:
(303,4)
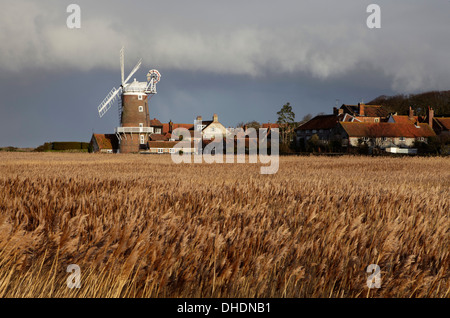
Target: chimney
(361,109)
(430,116)
(215,118)
(335,111)
(199,118)
(411,113)
(170,126)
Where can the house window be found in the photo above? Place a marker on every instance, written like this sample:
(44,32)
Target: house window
(213,129)
(377,120)
(142,139)
(421,139)
(384,138)
(366,138)
(160,150)
(172,150)
(157,130)
(140,96)
(141,109)
(402,139)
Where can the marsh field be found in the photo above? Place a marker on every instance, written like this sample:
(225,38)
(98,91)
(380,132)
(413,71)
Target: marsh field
(143,226)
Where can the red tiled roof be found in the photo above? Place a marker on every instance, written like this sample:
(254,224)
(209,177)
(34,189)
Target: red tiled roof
(165,144)
(162,144)
(405,119)
(106,141)
(320,122)
(155,122)
(158,137)
(269,125)
(408,130)
(175,126)
(375,111)
(444,122)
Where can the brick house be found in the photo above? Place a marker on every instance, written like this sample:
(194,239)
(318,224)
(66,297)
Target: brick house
(106,143)
(324,126)
(440,125)
(389,136)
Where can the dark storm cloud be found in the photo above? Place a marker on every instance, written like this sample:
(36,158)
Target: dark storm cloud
(241,59)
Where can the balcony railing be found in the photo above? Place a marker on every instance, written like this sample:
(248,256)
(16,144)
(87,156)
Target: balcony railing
(148,130)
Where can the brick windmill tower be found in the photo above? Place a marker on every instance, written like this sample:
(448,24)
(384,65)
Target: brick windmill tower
(133,108)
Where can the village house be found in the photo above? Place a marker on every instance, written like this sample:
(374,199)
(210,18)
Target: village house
(396,137)
(210,129)
(440,125)
(371,126)
(323,126)
(105,143)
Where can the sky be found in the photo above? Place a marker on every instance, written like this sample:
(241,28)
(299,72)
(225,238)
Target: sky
(240,59)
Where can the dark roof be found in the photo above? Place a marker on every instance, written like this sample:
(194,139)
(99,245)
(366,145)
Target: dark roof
(106,141)
(369,110)
(320,122)
(408,130)
(155,123)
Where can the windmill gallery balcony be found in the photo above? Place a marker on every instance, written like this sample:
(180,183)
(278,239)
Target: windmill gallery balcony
(128,130)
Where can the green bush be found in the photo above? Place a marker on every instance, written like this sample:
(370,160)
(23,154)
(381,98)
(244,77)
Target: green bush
(63,146)
(45,147)
(68,145)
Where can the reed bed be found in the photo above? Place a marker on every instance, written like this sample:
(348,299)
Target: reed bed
(142,226)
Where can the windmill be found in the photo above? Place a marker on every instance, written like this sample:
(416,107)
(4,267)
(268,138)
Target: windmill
(133,100)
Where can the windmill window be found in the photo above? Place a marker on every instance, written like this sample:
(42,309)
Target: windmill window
(142,139)
(141,109)
(141,125)
(140,97)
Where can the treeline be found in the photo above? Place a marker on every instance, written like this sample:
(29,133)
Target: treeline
(438,100)
(64,146)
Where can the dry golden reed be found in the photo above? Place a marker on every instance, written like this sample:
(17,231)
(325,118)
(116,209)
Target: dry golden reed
(142,226)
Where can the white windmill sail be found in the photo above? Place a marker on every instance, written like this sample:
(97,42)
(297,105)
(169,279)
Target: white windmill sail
(122,65)
(108,101)
(133,71)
